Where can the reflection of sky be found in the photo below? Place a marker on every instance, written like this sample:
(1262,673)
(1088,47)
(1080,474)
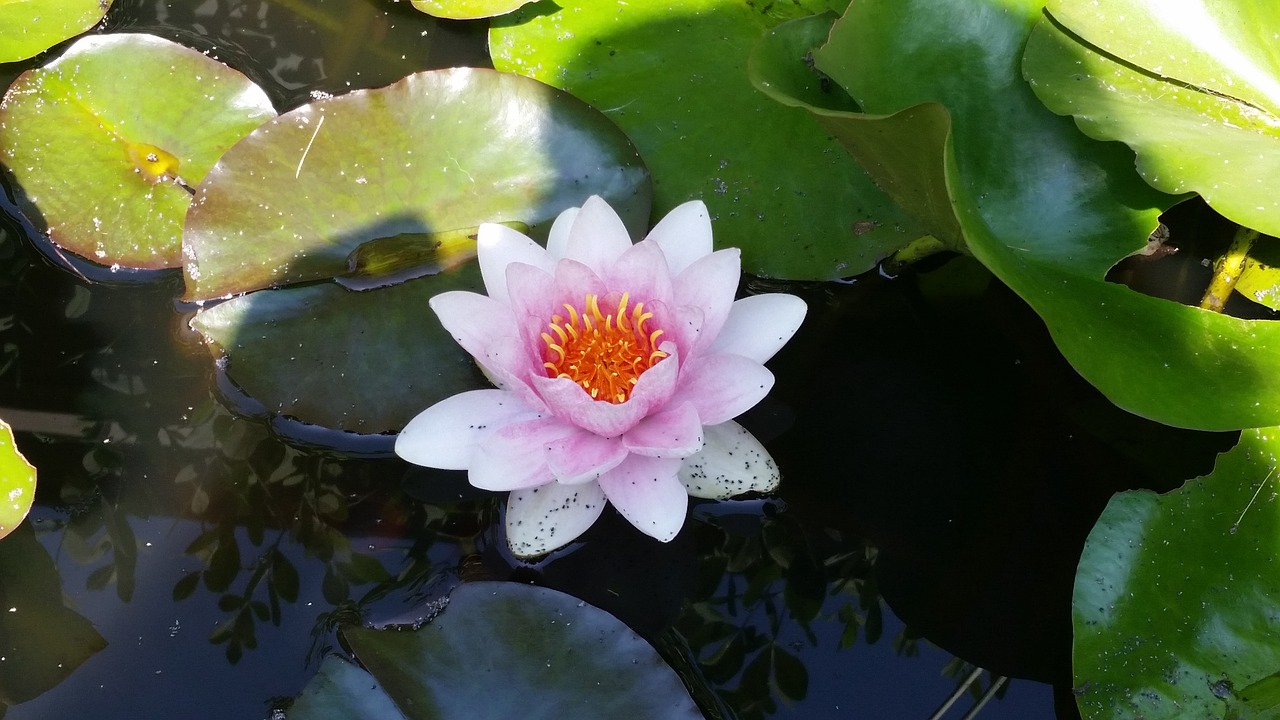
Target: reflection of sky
(876,683)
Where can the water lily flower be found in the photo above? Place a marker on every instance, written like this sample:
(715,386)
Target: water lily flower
(618,370)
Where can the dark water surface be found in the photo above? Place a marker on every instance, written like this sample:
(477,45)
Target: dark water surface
(942,467)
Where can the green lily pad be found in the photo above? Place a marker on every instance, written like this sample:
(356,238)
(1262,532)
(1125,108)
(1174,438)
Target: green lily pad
(41,641)
(954,133)
(342,691)
(435,152)
(467,9)
(1176,596)
(17,482)
(777,185)
(102,140)
(505,650)
(363,362)
(29,27)
(1193,89)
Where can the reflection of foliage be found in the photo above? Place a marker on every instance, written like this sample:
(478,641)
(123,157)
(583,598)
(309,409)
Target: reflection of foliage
(751,587)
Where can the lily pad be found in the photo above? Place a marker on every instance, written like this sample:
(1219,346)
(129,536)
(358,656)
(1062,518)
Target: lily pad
(342,691)
(41,641)
(777,185)
(505,650)
(17,482)
(467,9)
(363,362)
(1176,595)
(953,131)
(1192,87)
(435,152)
(29,27)
(102,140)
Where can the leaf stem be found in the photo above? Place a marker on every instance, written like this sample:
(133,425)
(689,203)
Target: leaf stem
(1226,272)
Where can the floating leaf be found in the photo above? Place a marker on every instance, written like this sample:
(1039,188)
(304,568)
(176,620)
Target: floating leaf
(17,482)
(102,139)
(342,691)
(28,27)
(955,134)
(506,650)
(467,9)
(1176,595)
(1193,87)
(436,152)
(776,184)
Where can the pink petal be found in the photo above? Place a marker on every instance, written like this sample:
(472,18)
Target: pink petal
(568,401)
(514,456)
(548,517)
(676,432)
(731,463)
(642,272)
(648,494)
(710,284)
(558,239)
(758,326)
(499,246)
(475,321)
(597,237)
(446,434)
(684,235)
(723,386)
(507,364)
(533,291)
(583,456)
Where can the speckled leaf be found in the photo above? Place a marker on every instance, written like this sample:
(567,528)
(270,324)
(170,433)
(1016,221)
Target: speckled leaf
(28,27)
(433,153)
(1177,595)
(17,482)
(364,362)
(1192,86)
(777,184)
(951,127)
(505,650)
(101,140)
(467,9)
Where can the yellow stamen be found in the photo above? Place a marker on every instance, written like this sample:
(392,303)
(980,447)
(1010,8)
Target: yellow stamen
(605,354)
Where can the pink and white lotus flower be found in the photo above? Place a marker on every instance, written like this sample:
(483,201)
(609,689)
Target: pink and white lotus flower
(619,369)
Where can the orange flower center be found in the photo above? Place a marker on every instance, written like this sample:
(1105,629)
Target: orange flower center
(605,354)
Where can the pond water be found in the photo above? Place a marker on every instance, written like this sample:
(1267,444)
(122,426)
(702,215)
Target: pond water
(942,467)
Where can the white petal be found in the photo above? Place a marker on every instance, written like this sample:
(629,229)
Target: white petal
(648,494)
(732,462)
(597,237)
(446,434)
(684,235)
(514,456)
(475,321)
(499,246)
(550,516)
(558,240)
(758,326)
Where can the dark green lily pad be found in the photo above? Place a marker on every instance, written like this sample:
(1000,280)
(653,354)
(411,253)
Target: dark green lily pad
(1177,595)
(363,362)
(777,185)
(435,152)
(504,650)
(33,26)
(17,482)
(467,9)
(41,641)
(955,134)
(342,691)
(102,139)
(1193,89)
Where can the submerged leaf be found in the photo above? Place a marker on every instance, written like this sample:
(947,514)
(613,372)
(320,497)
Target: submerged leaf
(467,9)
(103,139)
